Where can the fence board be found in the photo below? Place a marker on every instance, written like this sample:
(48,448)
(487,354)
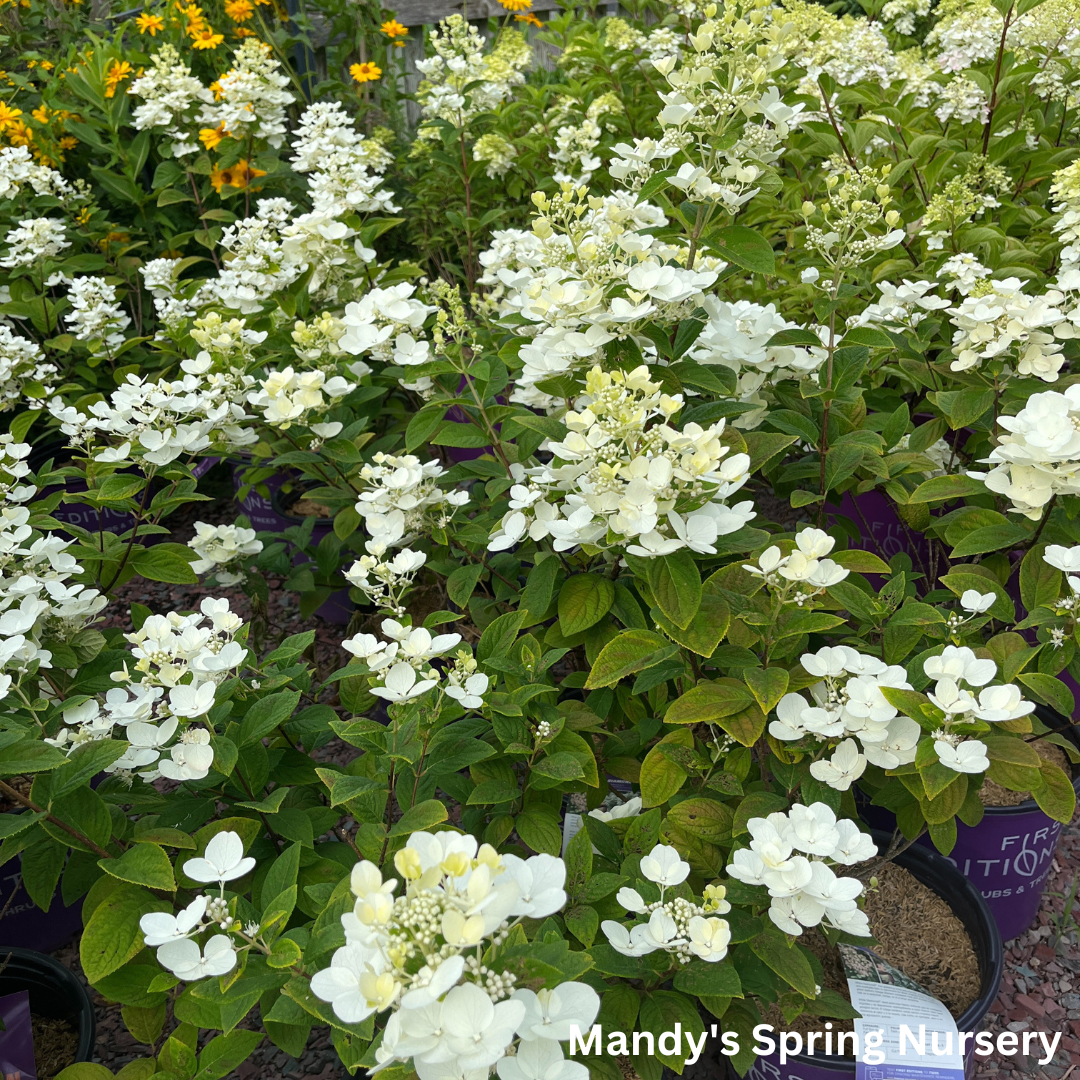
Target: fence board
(426,12)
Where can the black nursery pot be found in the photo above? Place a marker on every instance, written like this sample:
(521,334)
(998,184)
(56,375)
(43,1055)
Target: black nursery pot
(938,874)
(1009,854)
(54,992)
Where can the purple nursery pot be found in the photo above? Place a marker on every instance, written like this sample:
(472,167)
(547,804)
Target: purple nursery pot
(203,466)
(1008,855)
(78,514)
(25,924)
(880,529)
(258,508)
(939,874)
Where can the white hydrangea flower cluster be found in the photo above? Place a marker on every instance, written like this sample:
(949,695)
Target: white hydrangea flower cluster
(1068,561)
(420,955)
(962,273)
(222,861)
(22,362)
(684,928)
(158,422)
(409,653)
(852,219)
(737,335)
(401,500)
(258,265)
(344,168)
(590,275)
(460,81)
(170,647)
(902,14)
(96,316)
(573,146)
(161,707)
(33,240)
(848,704)
(173,309)
(250,99)
(37,597)
(716,87)
(495,152)
(1066,190)
(790,855)
(387,324)
(170,95)
(616,481)
(999,319)
(803,574)
(1037,456)
(18,170)
(220,547)
(290,397)
(956,673)
(904,306)
(226,352)
(386,581)
(966,34)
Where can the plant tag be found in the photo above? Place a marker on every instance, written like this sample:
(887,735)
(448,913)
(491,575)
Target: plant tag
(918,1036)
(571,826)
(17,1037)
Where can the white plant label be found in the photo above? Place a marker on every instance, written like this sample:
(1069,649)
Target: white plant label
(918,1036)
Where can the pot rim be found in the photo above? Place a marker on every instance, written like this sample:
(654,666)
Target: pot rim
(1062,726)
(990,976)
(29,958)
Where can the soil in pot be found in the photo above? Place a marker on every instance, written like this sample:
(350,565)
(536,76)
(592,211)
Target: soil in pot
(917,932)
(56,1044)
(305,507)
(992,794)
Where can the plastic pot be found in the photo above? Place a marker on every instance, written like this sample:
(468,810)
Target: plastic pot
(1009,854)
(79,514)
(880,529)
(940,875)
(24,923)
(338,608)
(54,992)
(259,509)
(203,466)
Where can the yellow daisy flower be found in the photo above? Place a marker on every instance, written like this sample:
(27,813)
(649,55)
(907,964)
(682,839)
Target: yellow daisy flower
(211,137)
(150,24)
(206,38)
(366,72)
(116,74)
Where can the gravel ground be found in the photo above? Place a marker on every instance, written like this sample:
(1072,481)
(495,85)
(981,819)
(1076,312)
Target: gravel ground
(1040,990)
(1041,987)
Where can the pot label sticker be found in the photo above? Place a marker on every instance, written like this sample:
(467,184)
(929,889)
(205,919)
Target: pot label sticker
(915,1035)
